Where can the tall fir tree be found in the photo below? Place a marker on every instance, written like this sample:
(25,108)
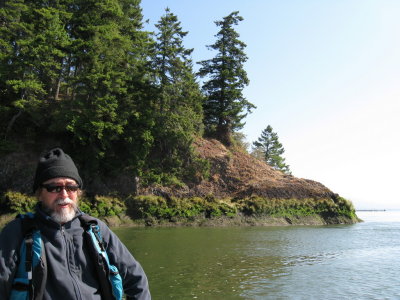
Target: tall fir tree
(136,103)
(270,149)
(225,106)
(32,45)
(178,106)
(77,71)
(108,86)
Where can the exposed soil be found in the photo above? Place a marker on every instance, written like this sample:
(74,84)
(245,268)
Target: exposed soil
(236,174)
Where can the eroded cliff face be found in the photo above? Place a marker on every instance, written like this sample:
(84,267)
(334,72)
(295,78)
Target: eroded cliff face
(236,174)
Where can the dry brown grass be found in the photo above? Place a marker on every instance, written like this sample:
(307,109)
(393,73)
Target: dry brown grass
(237,174)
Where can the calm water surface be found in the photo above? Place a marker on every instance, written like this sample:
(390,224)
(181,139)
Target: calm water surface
(360,261)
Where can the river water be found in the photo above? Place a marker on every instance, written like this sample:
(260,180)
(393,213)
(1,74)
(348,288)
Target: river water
(360,261)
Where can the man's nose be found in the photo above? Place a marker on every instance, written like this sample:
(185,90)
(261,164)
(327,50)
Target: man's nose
(63,193)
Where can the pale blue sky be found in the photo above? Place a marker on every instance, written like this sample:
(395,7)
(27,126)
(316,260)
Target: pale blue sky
(325,75)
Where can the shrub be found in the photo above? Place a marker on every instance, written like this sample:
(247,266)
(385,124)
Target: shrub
(102,206)
(16,202)
(192,207)
(295,207)
(157,207)
(197,170)
(345,207)
(219,208)
(146,206)
(164,179)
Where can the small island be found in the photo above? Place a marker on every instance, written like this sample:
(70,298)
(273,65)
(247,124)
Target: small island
(240,190)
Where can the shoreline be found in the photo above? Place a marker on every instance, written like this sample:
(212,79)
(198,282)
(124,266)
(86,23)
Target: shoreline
(237,221)
(234,221)
(152,210)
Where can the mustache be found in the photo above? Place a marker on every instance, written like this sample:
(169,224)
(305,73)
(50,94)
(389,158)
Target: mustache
(63,201)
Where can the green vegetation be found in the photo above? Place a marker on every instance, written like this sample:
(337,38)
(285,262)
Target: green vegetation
(173,209)
(100,206)
(119,99)
(15,202)
(153,210)
(296,207)
(225,106)
(269,149)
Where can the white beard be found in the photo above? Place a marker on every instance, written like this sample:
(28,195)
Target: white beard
(65,214)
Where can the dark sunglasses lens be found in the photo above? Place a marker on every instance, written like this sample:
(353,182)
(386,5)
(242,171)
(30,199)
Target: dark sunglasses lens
(53,188)
(71,188)
(59,188)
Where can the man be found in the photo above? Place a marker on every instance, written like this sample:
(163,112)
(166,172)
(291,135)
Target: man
(71,270)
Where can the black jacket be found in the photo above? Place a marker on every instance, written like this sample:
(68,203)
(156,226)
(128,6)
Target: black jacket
(71,272)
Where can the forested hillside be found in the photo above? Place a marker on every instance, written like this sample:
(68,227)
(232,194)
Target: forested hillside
(125,103)
(85,75)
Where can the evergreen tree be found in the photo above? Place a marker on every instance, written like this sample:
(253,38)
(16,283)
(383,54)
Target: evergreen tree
(77,70)
(178,106)
(225,106)
(271,150)
(32,45)
(135,143)
(103,84)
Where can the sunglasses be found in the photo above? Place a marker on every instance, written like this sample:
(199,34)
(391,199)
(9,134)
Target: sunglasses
(51,188)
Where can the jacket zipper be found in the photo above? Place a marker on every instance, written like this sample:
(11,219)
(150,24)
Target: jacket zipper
(74,281)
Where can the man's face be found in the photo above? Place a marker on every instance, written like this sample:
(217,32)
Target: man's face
(59,197)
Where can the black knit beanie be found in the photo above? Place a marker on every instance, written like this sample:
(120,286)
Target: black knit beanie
(55,163)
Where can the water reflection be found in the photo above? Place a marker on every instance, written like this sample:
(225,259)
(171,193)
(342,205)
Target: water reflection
(329,262)
(231,263)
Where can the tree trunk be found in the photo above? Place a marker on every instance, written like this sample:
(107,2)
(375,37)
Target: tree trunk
(224,134)
(11,124)
(58,84)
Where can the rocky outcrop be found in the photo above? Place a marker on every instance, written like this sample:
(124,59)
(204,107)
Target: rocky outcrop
(233,174)
(236,174)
